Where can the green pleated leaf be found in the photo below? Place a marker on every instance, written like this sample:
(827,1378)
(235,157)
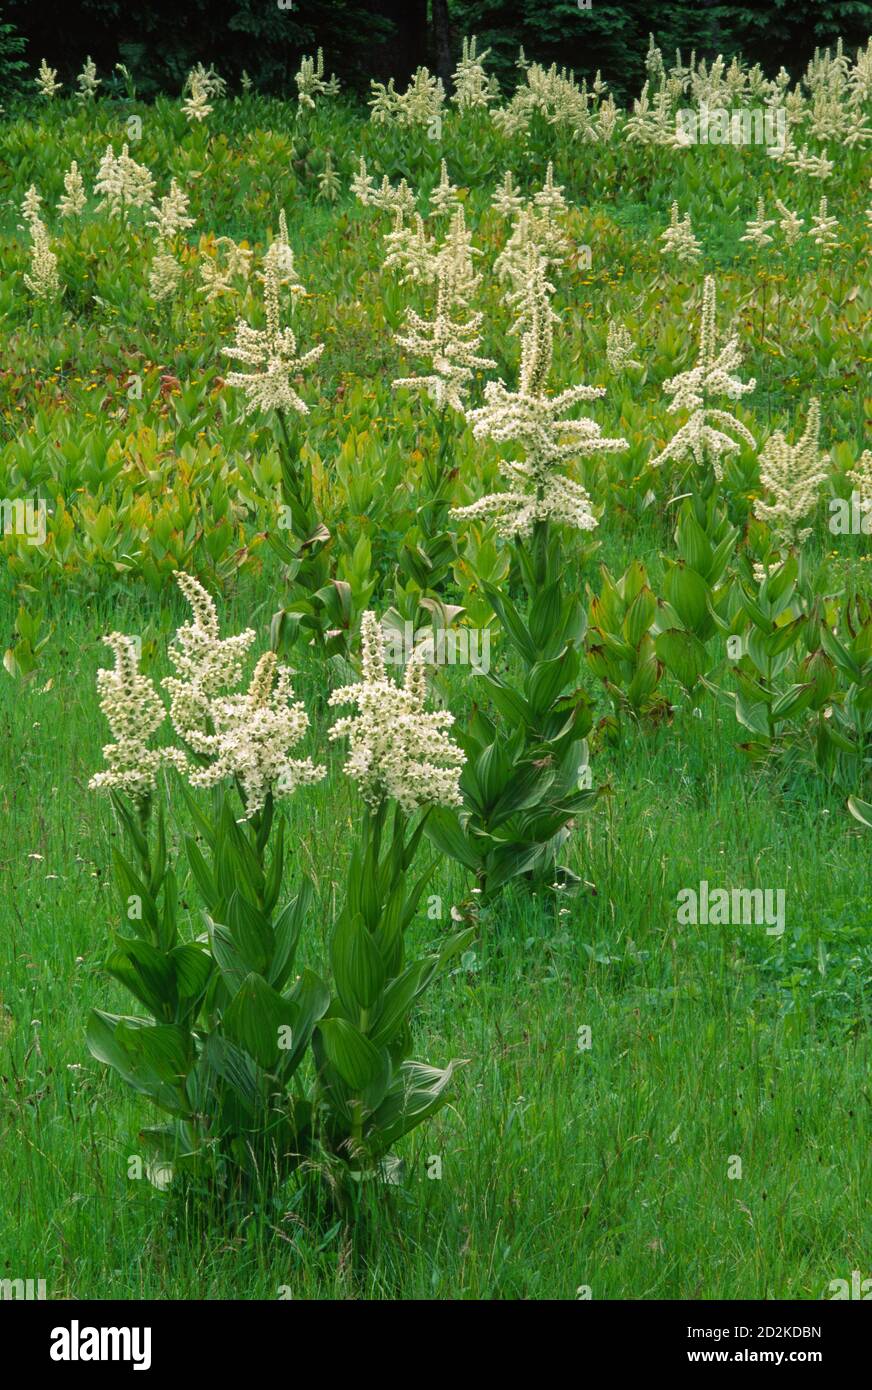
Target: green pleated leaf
(147,973)
(254,1018)
(358,1061)
(357,963)
(683,655)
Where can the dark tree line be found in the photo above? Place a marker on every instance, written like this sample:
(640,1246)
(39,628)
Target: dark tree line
(159,40)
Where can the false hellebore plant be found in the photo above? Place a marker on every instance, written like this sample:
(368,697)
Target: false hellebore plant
(526,776)
(259,1065)
(320,605)
(696,597)
(450,342)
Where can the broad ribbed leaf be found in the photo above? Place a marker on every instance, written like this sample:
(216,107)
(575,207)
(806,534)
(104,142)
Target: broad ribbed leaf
(358,1061)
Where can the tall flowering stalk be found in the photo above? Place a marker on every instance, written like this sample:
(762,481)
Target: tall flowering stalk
(792,475)
(525,781)
(318,605)
(540,492)
(694,585)
(88,82)
(406,766)
(46,80)
(243,738)
(679,240)
(74,200)
(134,712)
(43,280)
(450,345)
(196,105)
(169,219)
(272,353)
(449,342)
(709,434)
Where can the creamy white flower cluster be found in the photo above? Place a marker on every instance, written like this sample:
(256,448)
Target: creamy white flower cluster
(679,240)
(550,196)
(472,86)
(653,125)
(212,82)
(839,92)
(46,80)
(560,100)
(310,81)
(704,434)
(273,350)
(397,748)
(451,339)
(43,280)
(246,737)
(508,198)
(200,656)
(417,259)
(73,200)
(539,491)
(169,219)
(422,102)
(280,256)
(253,734)
(757,228)
(792,475)
(31,204)
(861,476)
(459,256)
(230,262)
(196,105)
(123,183)
(832,111)
(409,252)
(816,166)
(443,199)
(449,343)
(620,347)
(790,223)
(164,275)
(170,216)
(823,231)
(396,200)
(534,231)
(88,81)
(134,711)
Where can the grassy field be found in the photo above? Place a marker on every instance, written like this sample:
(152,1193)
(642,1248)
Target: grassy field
(564,1165)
